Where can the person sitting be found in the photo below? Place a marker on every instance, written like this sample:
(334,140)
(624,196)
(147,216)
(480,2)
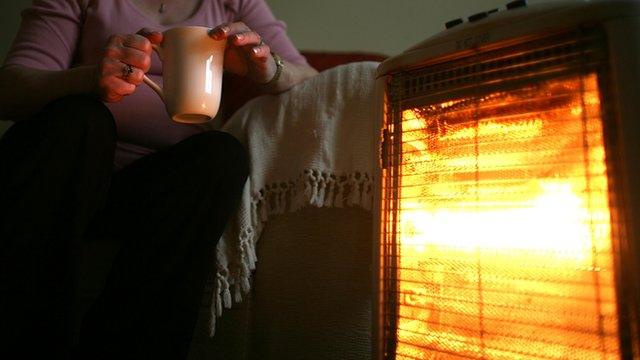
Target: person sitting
(93,154)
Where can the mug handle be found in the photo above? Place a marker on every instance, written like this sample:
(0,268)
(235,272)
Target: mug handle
(155,87)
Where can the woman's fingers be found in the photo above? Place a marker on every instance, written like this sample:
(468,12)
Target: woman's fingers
(136,58)
(118,89)
(130,74)
(252,45)
(246,54)
(111,83)
(136,53)
(223,31)
(260,52)
(126,58)
(138,42)
(119,70)
(155,37)
(238,34)
(245,38)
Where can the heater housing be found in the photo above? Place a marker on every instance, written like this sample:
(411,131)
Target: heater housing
(508,194)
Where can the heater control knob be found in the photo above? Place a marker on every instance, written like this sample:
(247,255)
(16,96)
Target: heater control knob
(452,23)
(516,4)
(478,16)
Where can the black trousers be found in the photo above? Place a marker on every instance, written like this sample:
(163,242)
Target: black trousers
(168,210)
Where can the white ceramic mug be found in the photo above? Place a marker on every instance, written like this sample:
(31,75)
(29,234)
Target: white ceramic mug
(191,74)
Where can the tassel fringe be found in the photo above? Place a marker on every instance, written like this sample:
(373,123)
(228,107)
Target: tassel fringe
(312,187)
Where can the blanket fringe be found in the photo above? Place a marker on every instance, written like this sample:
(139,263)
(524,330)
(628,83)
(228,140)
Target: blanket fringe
(312,187)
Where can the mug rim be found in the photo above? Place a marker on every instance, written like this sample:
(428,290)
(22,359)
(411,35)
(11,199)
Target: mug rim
(187,27)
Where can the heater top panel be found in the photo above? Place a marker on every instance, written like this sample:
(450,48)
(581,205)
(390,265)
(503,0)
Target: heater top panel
(495,29)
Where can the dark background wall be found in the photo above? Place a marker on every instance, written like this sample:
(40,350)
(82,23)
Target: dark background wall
(383,26)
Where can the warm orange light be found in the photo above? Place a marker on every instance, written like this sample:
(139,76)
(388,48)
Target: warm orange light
(504,228)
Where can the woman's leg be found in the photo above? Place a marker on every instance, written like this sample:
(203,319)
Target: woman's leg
(54,175)
(169,209)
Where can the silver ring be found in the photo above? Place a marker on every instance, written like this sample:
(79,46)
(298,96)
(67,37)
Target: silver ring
(261,42)
(127,70)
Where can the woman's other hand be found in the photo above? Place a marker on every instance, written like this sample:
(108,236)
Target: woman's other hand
(125,60)
(246,54)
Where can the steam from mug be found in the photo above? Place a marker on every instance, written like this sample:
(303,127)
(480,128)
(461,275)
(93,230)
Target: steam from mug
(191,74)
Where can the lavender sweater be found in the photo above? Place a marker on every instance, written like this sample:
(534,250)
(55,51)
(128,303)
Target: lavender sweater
(60,34)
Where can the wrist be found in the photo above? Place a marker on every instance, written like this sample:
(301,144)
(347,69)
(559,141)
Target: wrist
(78,80)
(88,77)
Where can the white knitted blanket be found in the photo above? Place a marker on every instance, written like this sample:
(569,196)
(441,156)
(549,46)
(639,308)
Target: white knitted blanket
(311,146)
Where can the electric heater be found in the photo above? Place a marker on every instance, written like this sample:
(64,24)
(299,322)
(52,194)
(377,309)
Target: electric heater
(509,187)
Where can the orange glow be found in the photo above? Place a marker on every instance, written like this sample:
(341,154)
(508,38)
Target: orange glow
(504,234)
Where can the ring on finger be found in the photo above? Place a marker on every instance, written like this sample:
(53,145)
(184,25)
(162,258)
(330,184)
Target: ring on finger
(261,42)
(127,70)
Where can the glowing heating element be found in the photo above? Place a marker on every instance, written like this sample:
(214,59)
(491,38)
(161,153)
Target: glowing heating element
(504,247)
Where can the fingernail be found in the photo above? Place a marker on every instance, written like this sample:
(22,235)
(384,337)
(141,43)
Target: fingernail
(218,33)
(255,50)
(239,36)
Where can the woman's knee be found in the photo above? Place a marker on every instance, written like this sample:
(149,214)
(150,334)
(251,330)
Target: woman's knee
(80,115)
(222,152)
(66,128)
(70,124)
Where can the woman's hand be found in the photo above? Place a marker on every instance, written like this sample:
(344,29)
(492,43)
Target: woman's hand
(246,54)
(125,60)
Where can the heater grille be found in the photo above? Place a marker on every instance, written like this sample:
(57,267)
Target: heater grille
(496,228)
(549,57)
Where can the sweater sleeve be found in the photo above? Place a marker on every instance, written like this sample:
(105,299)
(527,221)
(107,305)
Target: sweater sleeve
(48,35)
(258,16)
